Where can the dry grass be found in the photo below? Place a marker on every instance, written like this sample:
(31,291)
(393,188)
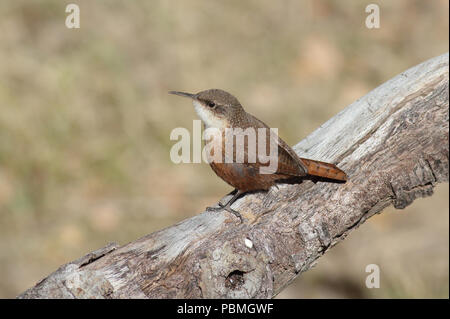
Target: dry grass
(85,121)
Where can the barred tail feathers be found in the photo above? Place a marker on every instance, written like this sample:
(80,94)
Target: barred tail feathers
(325,170)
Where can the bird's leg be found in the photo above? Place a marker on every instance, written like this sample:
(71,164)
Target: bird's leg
(227,206)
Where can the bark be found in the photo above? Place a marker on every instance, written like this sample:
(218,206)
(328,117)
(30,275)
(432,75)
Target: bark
(393,144)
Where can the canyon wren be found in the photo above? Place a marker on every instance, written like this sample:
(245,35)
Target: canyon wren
(221,110)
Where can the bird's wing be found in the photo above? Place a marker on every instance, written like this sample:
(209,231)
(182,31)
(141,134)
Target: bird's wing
(288,161)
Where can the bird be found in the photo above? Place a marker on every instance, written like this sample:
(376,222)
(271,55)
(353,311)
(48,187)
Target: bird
(221,111)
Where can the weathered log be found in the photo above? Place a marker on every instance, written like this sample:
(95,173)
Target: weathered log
(393,144)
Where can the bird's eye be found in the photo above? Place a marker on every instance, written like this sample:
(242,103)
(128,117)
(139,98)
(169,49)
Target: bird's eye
(211,104)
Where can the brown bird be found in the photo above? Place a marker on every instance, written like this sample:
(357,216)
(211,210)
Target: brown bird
(222,111)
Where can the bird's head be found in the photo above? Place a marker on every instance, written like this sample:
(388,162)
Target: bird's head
(216,108)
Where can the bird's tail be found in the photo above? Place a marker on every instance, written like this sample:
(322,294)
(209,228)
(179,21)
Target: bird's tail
(325,170)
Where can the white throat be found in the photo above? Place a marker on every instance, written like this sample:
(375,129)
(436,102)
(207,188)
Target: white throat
(208,117)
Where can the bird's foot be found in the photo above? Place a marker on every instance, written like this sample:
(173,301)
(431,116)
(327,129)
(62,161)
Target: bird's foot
(235,213)
(225,207)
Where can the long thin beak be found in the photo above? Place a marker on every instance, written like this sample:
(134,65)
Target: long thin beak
(192,96)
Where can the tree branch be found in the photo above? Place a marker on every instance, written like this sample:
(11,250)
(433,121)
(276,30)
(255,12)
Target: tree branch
(393,144)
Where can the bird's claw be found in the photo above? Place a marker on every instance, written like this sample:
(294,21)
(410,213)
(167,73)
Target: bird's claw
(225,207)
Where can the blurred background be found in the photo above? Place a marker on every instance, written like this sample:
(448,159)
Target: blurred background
(85,120)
